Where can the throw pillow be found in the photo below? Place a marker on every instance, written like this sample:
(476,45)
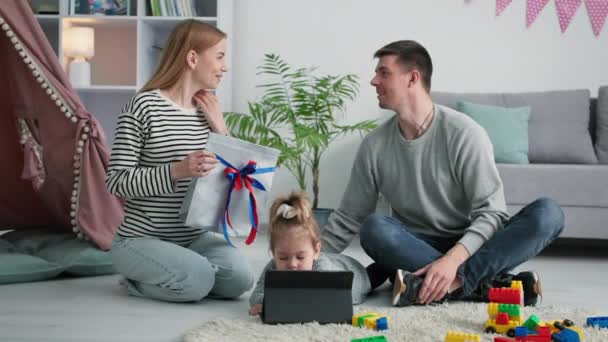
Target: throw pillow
(506,127)
(76,256)
(19,268)
(79,257)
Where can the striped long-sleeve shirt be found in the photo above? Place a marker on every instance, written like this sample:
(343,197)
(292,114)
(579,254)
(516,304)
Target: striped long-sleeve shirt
(152,132)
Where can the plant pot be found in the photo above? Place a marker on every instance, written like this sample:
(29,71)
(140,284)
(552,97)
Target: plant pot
(321,215)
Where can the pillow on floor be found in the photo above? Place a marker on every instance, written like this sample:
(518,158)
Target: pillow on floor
(20,268)
(42,254)
(506,127)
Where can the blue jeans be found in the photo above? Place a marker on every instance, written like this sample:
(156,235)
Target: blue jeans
(389,243)
(166,271)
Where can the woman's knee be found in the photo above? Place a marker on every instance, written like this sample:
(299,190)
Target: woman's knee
(196,285)
(242,280)
(233,279)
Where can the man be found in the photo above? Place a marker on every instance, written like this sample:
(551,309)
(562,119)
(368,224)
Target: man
(450,229)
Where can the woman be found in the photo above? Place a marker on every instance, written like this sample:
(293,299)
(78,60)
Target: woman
(158,147)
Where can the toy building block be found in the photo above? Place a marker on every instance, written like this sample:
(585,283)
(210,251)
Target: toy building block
(522,334)
(517,284)
(600,321)
(502,325)
(513,310)
(379,338)
(566,335)
(506,295)
(382,323)
(578,330)
(521,331)
(371,320)
(503,339)
(457,336)
(533,323)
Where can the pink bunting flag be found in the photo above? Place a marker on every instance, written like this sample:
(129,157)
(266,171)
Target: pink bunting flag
(533,9)
(501,5)
(597,11)
(566,9)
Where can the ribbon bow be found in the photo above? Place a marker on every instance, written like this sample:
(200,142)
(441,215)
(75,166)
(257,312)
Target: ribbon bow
(240,179)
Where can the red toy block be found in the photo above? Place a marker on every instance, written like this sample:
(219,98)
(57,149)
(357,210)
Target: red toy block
(502,318)
(502,339)
(506,295)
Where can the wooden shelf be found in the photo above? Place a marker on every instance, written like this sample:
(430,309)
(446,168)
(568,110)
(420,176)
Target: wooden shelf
(125,54)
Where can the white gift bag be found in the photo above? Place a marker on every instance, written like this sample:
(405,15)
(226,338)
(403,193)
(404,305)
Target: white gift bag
(204,205)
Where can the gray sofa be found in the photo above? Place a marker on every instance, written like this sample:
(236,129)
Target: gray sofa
(568,152)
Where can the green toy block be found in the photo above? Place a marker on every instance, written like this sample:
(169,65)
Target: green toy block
(379,338)
(532,323)
(511,309)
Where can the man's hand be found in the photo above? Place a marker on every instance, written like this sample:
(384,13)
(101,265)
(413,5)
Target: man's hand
(255,310)
(440,274)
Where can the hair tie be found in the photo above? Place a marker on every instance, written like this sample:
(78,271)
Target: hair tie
(286,211)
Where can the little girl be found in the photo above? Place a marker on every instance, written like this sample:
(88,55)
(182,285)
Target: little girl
(295,245)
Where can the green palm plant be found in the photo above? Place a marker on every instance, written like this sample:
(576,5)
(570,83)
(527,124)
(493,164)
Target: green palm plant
(297,115)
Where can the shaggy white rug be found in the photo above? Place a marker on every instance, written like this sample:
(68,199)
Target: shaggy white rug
(407,324)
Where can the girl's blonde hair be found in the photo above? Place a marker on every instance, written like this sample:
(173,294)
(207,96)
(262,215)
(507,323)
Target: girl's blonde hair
(188,35)
(289,212)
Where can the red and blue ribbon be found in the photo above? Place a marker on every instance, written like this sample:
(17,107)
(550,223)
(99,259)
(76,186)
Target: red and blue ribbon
(240,179)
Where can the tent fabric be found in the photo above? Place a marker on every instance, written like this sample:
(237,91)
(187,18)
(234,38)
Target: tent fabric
(54,151)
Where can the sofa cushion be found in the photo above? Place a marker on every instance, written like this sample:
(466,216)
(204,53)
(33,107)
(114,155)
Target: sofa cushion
(506,127)
(569,185)
(601,129)
(559,122)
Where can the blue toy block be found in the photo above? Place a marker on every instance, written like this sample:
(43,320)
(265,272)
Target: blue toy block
(382,323)
(566,335)
(521,331)
(600,322)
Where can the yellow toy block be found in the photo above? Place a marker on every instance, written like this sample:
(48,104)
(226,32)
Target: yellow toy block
(358,320)
(369,320)
(457,336)
(507,329)
(517,284)
(514,311)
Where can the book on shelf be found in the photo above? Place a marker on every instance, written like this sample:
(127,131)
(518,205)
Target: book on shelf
(101,7)
(173,8)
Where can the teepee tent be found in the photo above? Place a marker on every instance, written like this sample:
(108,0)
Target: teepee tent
(54,152)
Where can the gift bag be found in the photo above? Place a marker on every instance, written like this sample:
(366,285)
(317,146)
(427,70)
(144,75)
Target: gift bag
(228,198)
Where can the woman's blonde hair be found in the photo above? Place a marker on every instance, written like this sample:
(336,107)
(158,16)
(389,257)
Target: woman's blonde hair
(290,212)
(188,35)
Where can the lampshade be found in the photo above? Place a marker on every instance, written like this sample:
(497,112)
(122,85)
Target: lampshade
(79,42)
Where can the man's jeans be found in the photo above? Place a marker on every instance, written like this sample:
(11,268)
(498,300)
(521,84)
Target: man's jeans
(389,243)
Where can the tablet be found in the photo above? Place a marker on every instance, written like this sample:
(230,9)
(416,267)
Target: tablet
(307,296)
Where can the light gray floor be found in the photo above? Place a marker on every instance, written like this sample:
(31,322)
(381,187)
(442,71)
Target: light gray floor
(97,309)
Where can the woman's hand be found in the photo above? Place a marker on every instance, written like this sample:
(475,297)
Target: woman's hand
(210,105)
(196,164)
(255,310)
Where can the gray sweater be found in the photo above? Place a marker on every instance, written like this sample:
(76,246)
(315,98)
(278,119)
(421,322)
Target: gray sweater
(445,183)
(325,262)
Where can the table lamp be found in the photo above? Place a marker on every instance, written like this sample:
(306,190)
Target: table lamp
(79,45)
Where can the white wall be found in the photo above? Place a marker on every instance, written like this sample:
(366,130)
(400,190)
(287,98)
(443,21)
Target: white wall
(472,50)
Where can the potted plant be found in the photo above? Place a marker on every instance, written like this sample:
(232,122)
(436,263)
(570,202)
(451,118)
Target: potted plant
(297,115)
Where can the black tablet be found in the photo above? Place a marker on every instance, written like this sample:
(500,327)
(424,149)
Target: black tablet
(306,296)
